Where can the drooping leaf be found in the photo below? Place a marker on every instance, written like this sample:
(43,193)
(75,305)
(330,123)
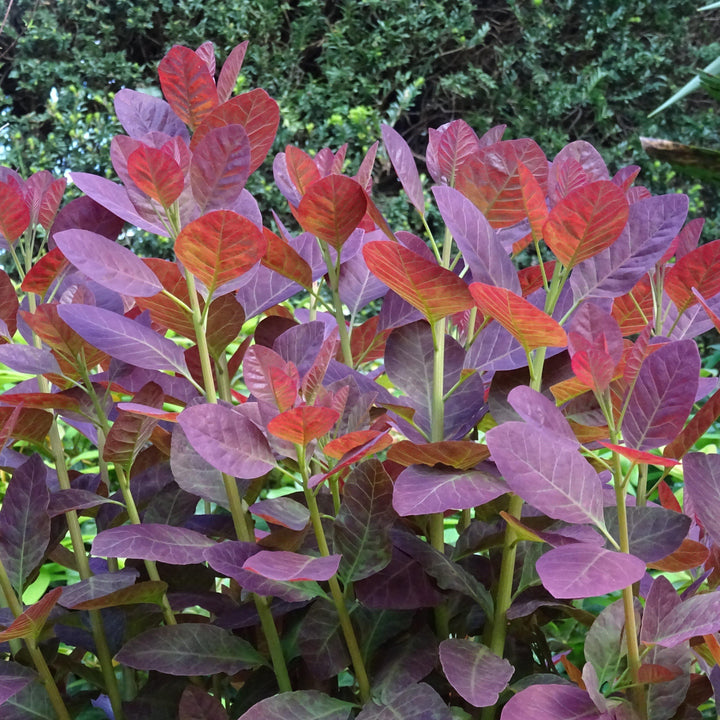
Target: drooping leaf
(299,705)
(460,454)
(361,528)
(432,289)
(219,167)
(123,338)
(474,671)
(189,649)
(24,521)
(187,85)
(108,263)
(256,111)
(403,162)
(663,395)
(332,208)
(301,425)
(586,221)
(230,71)
(29,624)
(219,247)
(421,490)
(531,327)
(157,174)
(580,570)
(291,567)
(227,440)
(162,543)
(547,473)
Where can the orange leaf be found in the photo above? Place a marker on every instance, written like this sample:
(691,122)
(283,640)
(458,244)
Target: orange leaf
(303,424)
(285,260)
(156,174)
(697,269)
(30,623)
(461,454)
(301,168)
(689,555)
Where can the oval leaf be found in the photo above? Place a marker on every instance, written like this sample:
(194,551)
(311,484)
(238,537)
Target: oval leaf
(289,566)
(303,424)
(157,174)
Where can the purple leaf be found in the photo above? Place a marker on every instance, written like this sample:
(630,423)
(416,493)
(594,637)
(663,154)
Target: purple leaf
(263,288)
(290,567)
(299,705)
(124,339)
(417,702)
(108,263)
(403,161)
(196,704)
(86,214)
(698,615)
(537,410)
(652,224)
(701,472)
(161,543)
(357,285)
(551,702)
(361,529)
(488,261)
(28,359)
(300,345)
(219,167)
(115,198)
(189,649)
(13,678)
(660,601)
(581,570)
(664,698)
(227,440)
(545,472)
(140,113)
(97,586)
(663,395)
(24,521)
(228,558)
(74,499)
(321,642)
(421,490)
(496,349)
(474,671)
(283,511)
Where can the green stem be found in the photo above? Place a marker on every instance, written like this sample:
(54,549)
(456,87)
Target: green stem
(37,657)
(334,280)
(337,595)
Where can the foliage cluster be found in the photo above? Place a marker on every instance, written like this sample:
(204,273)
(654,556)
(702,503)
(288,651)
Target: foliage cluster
(297,512)
(557,71)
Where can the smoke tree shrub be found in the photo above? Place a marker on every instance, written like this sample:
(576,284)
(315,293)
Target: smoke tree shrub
(304,509)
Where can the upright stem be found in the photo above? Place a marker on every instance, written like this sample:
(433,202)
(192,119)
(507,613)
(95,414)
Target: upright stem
(334,280)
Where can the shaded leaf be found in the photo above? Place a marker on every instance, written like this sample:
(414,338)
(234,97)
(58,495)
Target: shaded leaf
(321,642)
(283,511)
(460,454)
(13,678)
(299,705)
(417,702)
(551,702)
(403,162)
(196,704)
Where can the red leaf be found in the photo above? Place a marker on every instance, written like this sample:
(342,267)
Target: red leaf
(50,202)
(230,71)
(531,327)
(303,424)
(285,260)
(30,424)
(8,303)
(451,146)
(432,289)
(689,555)
(533,200)
(696,428)
(257,112)
(366,343)
(586,221)
(653,673)
(156,174)
(41,401)
(634,311)
(44,272)
(531,277)
(30,623)
(301,168)
(698,269)
(351,441)
(284,387)
(14,213)
(640,456)
(667,497)
(332,208)
(491,179)
(219,247)
(187,85)
(372,446)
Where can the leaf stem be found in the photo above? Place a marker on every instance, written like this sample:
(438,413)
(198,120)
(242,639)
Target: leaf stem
(334,282)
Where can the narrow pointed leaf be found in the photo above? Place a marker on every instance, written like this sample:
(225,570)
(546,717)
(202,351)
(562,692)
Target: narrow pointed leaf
(189,649)
(15,215)
(474,671)
(162,543)
(586,221)
(123,338)
(531,327)
(219,247)
(332,208)
(227,440)
(25,521)
(108,263)
(187,85)
(582,570)
(157,174)
(290,567)
(433,290)
(403,162)
(230,71)
(303,424)
(30,623)
(299,705)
